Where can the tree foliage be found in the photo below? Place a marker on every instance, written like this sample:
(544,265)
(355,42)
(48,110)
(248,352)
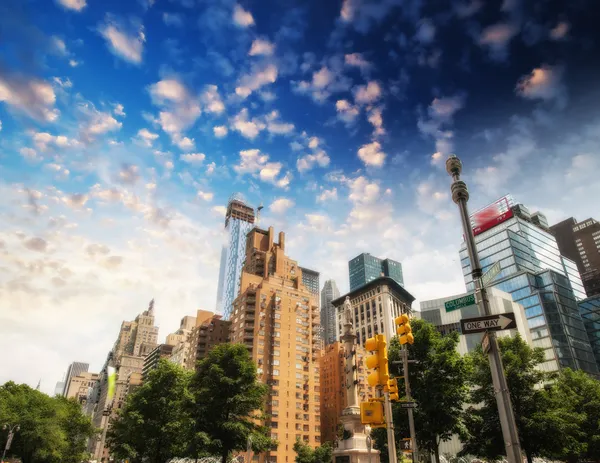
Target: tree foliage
(227,401)
(154,424)
(306,454)
(438,385)
(52,429)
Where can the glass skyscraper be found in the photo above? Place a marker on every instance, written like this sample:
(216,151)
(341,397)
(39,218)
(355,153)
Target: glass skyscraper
(239,220)
(365,268)
(328,312)
(590,312)
(547,284)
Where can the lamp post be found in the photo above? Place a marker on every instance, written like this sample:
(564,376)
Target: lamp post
(460,195)
(11,432)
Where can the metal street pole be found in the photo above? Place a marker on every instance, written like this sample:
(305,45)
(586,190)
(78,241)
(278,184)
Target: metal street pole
(389,423)
(411,419)
(460,196)
(11,432)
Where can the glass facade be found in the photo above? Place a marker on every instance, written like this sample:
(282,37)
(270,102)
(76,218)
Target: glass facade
(329,293)
(232,261)
(590,312)
(547,284)
(366,268)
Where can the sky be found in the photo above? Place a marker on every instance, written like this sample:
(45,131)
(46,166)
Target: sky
(126,126)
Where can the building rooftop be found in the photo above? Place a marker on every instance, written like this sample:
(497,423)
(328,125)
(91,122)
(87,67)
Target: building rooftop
(378,281)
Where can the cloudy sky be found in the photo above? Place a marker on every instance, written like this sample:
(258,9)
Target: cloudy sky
(125,127)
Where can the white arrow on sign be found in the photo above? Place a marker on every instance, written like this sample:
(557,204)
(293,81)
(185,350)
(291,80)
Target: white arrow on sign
(504,321)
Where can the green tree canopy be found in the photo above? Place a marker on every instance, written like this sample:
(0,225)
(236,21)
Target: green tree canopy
(306,454)
(154,424)
(52,429)
(227,403)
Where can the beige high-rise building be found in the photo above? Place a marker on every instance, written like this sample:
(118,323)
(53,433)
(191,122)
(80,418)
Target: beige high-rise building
(210,330)
(79,386)
(334,390)
(180,340)
(275,317)
(135,340)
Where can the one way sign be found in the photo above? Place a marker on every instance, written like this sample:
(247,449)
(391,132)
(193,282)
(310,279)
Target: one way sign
(498,322)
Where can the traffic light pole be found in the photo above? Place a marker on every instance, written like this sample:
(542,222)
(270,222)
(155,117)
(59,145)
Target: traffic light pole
(411,419)
(460,196)
(389,422)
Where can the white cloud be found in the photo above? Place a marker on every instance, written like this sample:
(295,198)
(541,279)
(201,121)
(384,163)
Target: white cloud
(220,131)
(146,136)
(376,119)
(441,112)
(193,158)
(277,127)
(327,195)
(30,154)
(357,60)
(172,19)
(168,90)
(63,83)
(241,17)
(284,182)
(363,191)
(327,80)
(437,158)
(246,127)
(371,154)
(309,161)
(206,196)
(368,94)
(496,38)
(544,83)
(425,31)
(125,43)
(74,63)
(212,100)
(257,164)
(346,112)
(76,5)
(184,143)
(43,140)
(119,110)
(259,77)
(280,205)
(99,122)
(560,31)
(261,47)
(34,97)
(59,46)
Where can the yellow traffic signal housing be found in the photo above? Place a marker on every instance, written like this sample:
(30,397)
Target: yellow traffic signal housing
(393,389)
(404,330)
(371,413)
(378,361)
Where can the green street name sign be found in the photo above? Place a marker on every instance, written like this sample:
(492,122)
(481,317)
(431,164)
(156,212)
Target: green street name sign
(459,303)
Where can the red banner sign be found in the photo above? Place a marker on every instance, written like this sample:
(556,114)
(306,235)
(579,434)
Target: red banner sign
(489,218)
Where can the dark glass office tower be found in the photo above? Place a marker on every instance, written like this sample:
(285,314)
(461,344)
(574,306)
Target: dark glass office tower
(366,268)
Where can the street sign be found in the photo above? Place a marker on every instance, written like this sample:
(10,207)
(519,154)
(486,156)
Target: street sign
(408,404)
(485,343)
(406,444)
(459,303)
(498,322)
(491,273)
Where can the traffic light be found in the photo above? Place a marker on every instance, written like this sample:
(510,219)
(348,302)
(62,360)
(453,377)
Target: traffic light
(393,389)
(372,413)
(377,361)
(404,330)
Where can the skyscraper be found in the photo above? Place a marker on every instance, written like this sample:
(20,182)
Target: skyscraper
(310,280)
(239,219)
(75,369)
(275,316)
(537,276)
(328,319)
(590,312)
(364,268)
(580,242)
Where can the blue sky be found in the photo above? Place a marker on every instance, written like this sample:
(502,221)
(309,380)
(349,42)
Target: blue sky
(127,125)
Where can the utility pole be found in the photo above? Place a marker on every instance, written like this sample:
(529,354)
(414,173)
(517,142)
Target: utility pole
(11,432)
(411,419)
(389,423)
(460,196)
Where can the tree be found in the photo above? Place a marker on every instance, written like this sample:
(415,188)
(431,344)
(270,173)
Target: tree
(306,454)
(438,385)
(52,430)
(155,423)
(227,403)
(537,423)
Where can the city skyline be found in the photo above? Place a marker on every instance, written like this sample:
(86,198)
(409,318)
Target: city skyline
(125,134)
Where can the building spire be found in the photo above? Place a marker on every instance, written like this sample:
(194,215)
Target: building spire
(151,308)
(39,384)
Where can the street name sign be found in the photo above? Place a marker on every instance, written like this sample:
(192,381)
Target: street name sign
(459,303)
(491,273)
(498,322)
(408,404)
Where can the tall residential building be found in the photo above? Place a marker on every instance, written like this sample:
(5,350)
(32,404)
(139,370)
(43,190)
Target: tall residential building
(375,305)
(580,242)
(334,390)
(590,312)
(310,280)
(205,336)
(274,317)
(239,219)
(181,341)
(162,351)
(80,386)
(364,268)
(537,276)
(75,369)
(328,319)
(136,339)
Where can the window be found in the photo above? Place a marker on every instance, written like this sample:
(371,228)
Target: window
(276,362)
(299,366)
(275,372)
